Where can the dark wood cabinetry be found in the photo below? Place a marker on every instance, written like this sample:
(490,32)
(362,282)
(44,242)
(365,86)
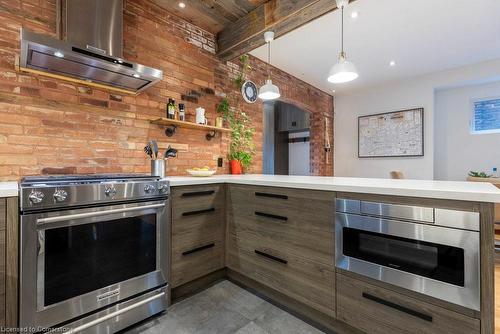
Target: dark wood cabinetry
(376,310)
(283,238)
(197,232)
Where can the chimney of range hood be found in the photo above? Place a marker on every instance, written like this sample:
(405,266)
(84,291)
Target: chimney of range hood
(90,51)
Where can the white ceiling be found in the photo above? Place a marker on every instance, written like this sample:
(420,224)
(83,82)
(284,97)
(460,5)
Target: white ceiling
(420,36)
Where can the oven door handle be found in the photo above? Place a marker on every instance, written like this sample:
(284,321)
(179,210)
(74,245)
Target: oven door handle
(42,221)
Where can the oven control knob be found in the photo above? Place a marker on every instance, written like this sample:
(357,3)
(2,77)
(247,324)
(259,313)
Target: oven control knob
(163,188)
(60,195)
(149,188)
(36,197)
(110,191)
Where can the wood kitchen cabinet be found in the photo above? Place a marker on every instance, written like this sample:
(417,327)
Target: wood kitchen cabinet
(8,261)
(284,239)
(197,232)
(376,310)
(291,118)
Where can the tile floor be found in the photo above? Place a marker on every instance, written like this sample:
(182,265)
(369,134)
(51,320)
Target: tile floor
(224,308)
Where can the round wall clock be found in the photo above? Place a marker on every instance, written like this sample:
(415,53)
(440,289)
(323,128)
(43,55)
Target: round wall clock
(249,91)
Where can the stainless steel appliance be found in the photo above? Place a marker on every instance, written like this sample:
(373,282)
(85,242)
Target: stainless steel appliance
(428,250)
(93,251)
(89,49)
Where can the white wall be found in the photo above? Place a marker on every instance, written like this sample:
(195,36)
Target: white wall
(414,92)
(457,151)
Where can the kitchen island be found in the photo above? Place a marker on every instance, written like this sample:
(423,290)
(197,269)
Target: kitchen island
(282,236)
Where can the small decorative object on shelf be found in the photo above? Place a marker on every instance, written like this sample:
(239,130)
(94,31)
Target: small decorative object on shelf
(171,109)
(182,112)
(173,124)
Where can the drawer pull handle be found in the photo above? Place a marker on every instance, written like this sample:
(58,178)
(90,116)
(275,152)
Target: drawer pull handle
(198,212)
(268,215)
(272,257)
(259,194)
(198,193)
(197,249)
(397,307)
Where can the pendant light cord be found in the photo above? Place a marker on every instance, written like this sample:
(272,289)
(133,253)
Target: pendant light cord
(269,59)
(342,31)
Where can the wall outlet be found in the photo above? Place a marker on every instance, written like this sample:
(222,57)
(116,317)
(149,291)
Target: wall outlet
(219,162)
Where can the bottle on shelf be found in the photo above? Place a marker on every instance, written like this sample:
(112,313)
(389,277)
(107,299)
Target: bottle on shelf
(171,109)
(182,112)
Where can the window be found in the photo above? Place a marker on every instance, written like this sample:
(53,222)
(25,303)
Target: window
(485,116)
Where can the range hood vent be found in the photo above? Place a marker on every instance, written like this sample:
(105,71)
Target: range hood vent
(92,54)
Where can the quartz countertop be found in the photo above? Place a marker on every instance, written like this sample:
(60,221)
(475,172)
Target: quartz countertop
(8,189)
(453,190)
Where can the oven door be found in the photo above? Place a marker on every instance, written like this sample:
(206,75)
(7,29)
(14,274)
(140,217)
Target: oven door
(74,262)
(437,261)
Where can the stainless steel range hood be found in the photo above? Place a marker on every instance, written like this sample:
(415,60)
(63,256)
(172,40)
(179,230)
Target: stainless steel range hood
(90,50)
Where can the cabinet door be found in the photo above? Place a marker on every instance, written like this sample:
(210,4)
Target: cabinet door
(376,310)
(197,232)
(3,218)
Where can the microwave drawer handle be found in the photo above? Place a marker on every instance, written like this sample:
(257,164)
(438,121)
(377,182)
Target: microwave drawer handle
(260,194)
(198,193)
(110,315)
(96,214)
(198,212)
(268,215)
(397,307)
(198,249)
(271,257)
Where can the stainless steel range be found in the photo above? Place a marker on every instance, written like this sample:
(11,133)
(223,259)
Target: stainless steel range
(94,253)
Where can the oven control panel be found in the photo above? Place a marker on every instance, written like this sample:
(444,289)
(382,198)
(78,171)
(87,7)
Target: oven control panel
(43,196)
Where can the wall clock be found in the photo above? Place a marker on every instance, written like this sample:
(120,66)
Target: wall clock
(249,91)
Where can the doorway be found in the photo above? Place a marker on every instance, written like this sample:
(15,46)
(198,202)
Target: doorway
(286,147)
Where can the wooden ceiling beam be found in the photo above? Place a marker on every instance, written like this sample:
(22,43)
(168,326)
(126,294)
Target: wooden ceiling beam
(280,16)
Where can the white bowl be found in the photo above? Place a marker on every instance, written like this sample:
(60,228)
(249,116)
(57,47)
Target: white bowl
(201,173)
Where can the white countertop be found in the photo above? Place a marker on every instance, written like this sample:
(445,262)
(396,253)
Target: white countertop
(454,190)
(8,189)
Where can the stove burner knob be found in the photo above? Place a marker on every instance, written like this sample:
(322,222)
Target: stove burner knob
(163,188)
(149,188)
(36,197)
(60,195)
(110,191)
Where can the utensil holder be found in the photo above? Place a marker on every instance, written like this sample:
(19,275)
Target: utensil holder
(158,168)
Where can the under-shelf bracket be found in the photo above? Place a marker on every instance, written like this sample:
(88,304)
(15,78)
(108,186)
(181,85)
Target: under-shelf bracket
(211,135)
(170,130)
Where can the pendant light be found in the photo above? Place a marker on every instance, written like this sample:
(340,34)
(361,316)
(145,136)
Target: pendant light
(343,71)
(269,91)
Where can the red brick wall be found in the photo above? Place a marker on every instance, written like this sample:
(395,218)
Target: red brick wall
(50,123)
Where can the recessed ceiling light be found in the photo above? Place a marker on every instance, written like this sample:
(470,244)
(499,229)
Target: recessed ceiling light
(392,63)
(182,5)
(135,75)
(59,54)
(333,91)
(354,15)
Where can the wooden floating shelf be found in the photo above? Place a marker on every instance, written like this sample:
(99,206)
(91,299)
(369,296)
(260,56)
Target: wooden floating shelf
(172,124)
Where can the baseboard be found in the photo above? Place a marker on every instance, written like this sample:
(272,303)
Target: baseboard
(191,288)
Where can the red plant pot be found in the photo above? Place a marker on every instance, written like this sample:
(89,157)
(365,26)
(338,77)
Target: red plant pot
(236,167)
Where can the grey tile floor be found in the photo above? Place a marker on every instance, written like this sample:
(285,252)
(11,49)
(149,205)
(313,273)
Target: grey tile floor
(224,308)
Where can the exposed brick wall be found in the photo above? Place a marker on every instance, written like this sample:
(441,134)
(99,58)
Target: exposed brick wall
(50,123)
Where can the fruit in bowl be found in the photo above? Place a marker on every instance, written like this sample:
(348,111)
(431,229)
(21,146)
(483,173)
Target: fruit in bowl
(204,171)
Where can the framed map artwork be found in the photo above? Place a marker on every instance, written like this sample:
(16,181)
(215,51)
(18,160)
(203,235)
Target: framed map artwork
(392,134)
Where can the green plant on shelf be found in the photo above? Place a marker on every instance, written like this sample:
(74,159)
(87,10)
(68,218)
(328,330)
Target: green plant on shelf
(478,174)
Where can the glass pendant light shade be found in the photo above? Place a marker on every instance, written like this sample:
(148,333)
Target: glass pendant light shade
(343,71)
(269,91)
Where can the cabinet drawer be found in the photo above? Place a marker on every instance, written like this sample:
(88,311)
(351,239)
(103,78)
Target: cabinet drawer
(376,310)
(195,261)
(192,198)
(313,244)
(310,282)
